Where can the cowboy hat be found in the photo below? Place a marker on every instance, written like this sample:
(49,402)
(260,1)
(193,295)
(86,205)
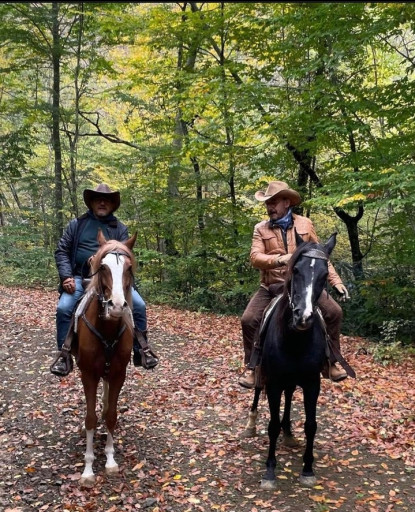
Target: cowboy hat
(280,189)
(102,190)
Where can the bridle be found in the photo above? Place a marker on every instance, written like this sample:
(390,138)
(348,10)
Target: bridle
(109,344)
(310,253)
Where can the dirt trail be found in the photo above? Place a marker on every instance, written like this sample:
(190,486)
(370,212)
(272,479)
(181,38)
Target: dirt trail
(178,441)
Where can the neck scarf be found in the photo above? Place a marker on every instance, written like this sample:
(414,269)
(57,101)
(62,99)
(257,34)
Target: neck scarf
(284,223)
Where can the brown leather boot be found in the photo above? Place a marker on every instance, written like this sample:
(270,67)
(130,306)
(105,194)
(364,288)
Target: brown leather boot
(247,380)
(335,374)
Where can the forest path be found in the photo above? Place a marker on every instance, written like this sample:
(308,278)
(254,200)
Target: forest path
(178,441)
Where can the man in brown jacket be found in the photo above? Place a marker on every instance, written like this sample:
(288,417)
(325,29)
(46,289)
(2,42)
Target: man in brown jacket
(273,243)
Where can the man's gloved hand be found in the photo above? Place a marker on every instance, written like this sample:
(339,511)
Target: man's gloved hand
(342,291)
(69,285)
(282,260)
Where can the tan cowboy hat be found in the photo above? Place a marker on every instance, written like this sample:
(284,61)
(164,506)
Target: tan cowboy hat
(280,189)
(102,190)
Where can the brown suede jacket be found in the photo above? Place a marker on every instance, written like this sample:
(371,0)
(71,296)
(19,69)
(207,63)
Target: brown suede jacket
(268,244)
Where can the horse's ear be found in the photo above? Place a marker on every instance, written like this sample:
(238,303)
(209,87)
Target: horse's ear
(298,239)
(330,244)
(101,238)
(131,241)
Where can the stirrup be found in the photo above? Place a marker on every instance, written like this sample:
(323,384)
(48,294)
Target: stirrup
(66,367)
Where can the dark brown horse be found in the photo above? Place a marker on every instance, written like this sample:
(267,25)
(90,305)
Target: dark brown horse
(294,353)
(105,339)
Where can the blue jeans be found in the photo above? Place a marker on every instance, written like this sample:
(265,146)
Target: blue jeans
(66,306)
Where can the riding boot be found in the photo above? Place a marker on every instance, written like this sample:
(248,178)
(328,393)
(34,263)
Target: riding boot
(143,355)
(63,364)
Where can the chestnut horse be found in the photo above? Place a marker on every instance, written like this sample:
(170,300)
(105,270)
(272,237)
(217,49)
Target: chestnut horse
(104,327)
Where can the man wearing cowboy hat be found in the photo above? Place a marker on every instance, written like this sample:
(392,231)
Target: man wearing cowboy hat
(273,243)
(77,245)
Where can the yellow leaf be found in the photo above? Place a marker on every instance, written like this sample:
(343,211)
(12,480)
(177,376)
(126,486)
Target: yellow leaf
(318,499)
(193,500)
(177,477)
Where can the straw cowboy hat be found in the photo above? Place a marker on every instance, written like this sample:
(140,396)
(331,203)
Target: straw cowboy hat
(279,189)
(102,190)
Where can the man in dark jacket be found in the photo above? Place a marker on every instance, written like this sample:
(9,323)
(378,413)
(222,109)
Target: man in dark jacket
(77,245)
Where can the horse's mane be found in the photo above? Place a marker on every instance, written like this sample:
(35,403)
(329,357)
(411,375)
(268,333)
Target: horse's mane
(301,249)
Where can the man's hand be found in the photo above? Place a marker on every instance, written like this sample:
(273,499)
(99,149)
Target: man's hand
(283,260)
(69,285)
(342,291)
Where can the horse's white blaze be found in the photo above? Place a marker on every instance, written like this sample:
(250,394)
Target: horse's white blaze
(116,265)
(308,310)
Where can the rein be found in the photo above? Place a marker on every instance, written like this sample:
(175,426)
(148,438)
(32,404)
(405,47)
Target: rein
(311,253)
(109,345)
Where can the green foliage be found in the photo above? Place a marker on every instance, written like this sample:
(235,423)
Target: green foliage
(16,148)
(190,108)
(24,261)
(377,303)
(391,353)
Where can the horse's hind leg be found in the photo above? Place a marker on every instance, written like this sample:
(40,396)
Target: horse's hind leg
(288,438)
(274,427)
(250,428)
(105,389)
(311,394)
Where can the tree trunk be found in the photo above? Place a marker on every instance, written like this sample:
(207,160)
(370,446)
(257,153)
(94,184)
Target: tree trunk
(56,142)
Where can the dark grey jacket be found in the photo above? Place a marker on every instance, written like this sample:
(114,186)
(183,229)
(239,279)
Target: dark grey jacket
(67,246)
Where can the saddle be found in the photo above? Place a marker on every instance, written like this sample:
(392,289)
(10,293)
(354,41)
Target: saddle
(142,349)
(256,356)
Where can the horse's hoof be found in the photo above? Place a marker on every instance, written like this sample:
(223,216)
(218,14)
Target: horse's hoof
(112,470)
(290,441)
(308,481)
(268,485)
(87,481)
(248,432)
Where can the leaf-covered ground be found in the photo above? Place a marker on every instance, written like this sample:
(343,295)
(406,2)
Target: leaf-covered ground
(178,440)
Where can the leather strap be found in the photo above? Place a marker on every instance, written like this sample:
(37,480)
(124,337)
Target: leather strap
(334,350)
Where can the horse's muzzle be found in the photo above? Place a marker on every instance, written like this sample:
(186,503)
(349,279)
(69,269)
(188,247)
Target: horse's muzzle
(302,320)
(115,310)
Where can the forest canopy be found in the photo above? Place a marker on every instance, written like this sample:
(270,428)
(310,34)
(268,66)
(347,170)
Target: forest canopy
(188,108)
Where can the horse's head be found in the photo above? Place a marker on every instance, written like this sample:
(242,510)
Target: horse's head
(113,269)
(306,279)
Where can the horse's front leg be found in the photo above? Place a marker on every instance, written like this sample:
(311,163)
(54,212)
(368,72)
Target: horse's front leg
(90,389)
(311,394)
(288,438)
(268,482)
(112,394)
(250,428)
